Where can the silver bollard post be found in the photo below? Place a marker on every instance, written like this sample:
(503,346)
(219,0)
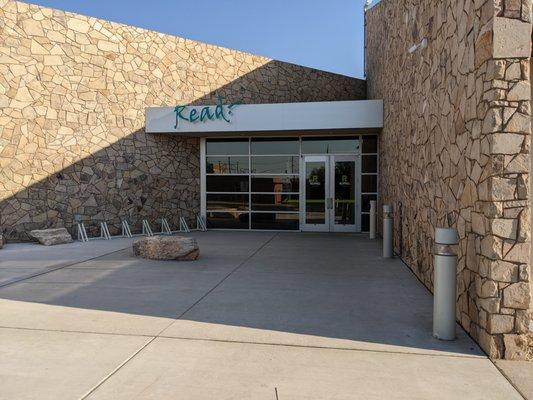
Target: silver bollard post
(387,231)
(372,224)
(445,266)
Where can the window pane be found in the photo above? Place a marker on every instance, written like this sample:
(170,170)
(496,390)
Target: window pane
(369,163)
(275,165)
(227,183)
(227,165)
(365,201)
(344,204)
(369,183)
(370,144)
(227,202)
(228,220)
(330,146)
(276,146)
(275,221)
(227,146)
(315,192)
(275,202)
(275,184)
(365,222)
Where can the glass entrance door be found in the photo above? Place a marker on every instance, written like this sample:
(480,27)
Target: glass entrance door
(315,212)
(330,188)
(343,192)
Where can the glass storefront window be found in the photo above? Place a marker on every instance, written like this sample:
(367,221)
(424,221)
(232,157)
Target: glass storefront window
(275,146)
(254,183)
(275,202)
(228,165)
(369,163)
(228,220)
(276,184)
(370,144)
(369,183)
(275,164)
(227,183)
(365,222)
(233,201)
(275,221)
(365,201)
(315,192)
(311,145)
(344,192)
(222,147)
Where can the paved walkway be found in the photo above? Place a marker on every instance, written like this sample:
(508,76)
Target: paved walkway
(259,316)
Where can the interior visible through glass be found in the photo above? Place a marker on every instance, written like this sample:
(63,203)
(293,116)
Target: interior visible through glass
(315,192)
(345,192)
(254,183)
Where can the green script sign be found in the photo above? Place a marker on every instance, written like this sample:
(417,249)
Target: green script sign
(207,113)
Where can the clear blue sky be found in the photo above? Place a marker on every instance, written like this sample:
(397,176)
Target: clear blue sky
(321,34)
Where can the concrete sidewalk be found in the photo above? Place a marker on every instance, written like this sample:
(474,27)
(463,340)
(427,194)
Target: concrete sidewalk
(260,315)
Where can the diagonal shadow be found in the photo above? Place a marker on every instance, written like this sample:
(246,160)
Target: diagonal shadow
(325,290)
(150,176)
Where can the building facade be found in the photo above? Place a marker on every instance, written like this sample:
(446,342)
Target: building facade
(455,78)
(105,122)
(73,94)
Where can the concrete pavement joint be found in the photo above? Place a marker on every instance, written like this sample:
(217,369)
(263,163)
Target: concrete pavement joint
(117,369)
(322,347)
(181,315)
(245,342)
(509,380)
(147,339)
(52,269)
(228,275)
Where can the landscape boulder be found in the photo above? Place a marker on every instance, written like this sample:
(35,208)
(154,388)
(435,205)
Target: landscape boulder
(50,237)
(178,248)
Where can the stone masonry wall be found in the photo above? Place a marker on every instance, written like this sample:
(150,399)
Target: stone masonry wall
(73,91)
(456,150)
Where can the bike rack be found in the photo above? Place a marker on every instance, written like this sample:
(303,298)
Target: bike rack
(104,231)
(82,233)
(126,231)
(183,225)
(146,228)
(200,224)
(165,227)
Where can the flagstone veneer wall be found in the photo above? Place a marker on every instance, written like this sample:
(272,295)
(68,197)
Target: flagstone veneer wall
(73,91)
(456,150)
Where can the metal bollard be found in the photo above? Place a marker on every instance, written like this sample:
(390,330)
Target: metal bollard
(445,266)
(372,224)
(387,231)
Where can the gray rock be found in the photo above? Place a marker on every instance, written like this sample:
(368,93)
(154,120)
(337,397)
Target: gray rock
(50,237)
(178,248)
(1,240)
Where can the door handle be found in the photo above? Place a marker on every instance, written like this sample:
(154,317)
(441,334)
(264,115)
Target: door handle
(330,203)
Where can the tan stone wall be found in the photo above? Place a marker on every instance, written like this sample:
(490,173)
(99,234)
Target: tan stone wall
(456,149)
(73,91)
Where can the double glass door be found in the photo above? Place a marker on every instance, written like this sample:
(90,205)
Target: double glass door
(330,192)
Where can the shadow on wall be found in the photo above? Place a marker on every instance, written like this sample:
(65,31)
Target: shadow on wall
(150,176)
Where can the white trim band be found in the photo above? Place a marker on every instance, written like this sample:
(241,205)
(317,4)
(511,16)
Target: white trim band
(353,114)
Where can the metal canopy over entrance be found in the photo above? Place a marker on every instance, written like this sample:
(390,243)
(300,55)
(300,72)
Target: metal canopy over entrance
(234,117)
